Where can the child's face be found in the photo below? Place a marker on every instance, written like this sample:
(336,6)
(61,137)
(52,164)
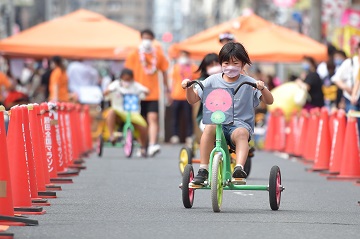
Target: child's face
(127,78)
(232,62)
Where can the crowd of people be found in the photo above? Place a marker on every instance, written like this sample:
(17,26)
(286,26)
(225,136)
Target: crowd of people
(334,83)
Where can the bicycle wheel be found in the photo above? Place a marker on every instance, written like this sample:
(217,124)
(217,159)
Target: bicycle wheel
(216,183)
(185,158)
(100,146)
(274,188)
(187,193)
(129,143)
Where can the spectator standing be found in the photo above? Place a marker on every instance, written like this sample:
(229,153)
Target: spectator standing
(5,86)
(312,83)
(345,77)
(184,69)
(58,86)
(146,62)
(81,75)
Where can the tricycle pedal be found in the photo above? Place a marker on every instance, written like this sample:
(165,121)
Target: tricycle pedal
(238,181)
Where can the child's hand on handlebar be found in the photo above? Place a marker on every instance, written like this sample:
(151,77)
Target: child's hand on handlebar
(184,83)
(260,85)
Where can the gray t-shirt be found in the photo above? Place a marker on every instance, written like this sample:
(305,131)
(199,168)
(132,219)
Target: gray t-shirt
(245,100)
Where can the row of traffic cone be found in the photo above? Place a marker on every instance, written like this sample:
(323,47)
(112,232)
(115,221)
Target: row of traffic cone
(43,145)
(329,142)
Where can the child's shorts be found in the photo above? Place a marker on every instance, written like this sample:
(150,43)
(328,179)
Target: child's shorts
(228,130)
(136,117)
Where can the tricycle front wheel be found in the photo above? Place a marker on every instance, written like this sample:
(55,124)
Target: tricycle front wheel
(217,182)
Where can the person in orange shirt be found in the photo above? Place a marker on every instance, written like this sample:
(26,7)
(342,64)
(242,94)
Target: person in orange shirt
(184,69)
(146,62)
(5,85)
(58,86)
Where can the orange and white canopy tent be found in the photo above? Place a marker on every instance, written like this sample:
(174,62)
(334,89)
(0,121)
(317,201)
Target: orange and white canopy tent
(80,34)
(264,41)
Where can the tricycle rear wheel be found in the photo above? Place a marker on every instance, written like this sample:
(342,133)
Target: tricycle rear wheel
(185,158)
(187,193)
(275,188)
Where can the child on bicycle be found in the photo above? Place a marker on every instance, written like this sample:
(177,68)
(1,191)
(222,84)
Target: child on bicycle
(117,114)
(232,58)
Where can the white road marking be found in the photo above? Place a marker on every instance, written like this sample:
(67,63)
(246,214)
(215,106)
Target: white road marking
(244,194)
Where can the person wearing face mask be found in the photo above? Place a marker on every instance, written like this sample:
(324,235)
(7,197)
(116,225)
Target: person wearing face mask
(116,113)
(345,79)
(183,69)
(209,65)
(312,83)
(232,58)
(146,62)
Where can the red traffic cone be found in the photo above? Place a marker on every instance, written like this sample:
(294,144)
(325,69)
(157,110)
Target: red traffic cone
(270,133)
(279,137)
(6,200)
(291,134)
(39,157)
(350,165)
(310,144)
(337,145)
(19,163)
(302,135)
(323,143)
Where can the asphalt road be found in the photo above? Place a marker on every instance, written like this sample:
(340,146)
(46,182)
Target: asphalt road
(140,198)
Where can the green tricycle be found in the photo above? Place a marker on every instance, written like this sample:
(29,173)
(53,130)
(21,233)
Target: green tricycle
(124,134)
(220,174)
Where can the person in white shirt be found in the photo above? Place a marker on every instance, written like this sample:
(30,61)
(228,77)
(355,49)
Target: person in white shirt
(117,114)
(345,77)
(81,75)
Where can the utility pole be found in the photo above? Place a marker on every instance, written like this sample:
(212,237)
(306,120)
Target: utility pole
(11,17)
(48,9)
(315,19)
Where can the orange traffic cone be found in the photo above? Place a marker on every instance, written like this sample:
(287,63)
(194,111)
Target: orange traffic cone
(76,164)
(310,144)
(57,143)
(6,200)
(291,134)
(279,138)
(350,165)
(36,140)
(270,130)
(323,143)
(19,163)
(45,144)
(50,144)
(33,174)
(302,135)
(337,144)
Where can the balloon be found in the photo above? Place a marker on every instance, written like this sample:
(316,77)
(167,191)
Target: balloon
(284,99)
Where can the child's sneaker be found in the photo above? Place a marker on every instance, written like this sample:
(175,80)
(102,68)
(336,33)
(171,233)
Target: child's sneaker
(200,177)
(153,149)
(239,176)
(141,153)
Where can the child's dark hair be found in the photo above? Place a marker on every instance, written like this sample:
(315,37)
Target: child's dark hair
(234,50)
(208,60)
(147,31)
(127,71)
